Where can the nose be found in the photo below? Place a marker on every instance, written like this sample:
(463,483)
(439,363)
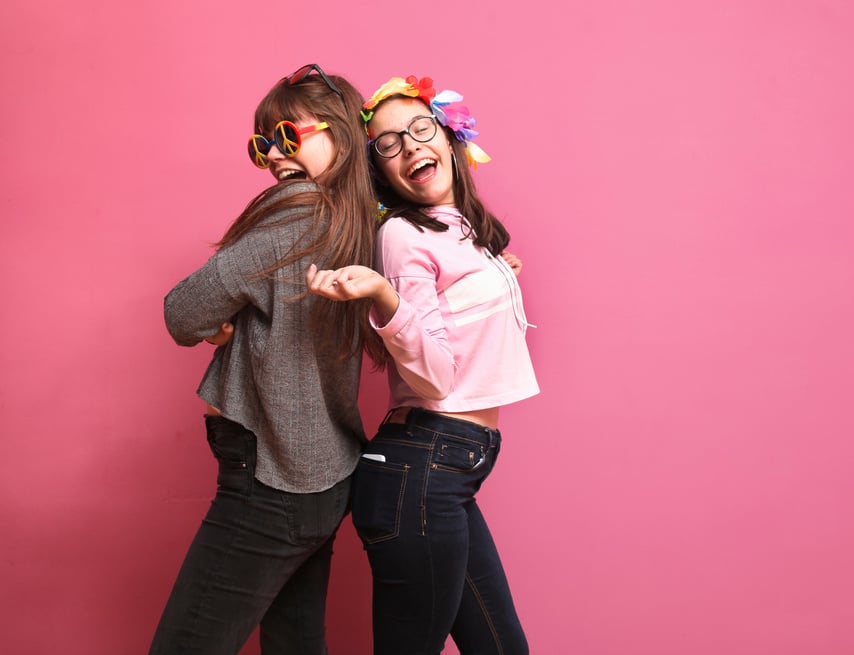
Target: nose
(409,144)
(275,154)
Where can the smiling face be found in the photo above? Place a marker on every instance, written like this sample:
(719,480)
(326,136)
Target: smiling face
(422,172)
(315,156)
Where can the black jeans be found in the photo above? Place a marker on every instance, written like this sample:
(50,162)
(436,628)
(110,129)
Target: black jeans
(261,557)
(435,567)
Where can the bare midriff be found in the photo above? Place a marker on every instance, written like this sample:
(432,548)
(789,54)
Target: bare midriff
(485,417)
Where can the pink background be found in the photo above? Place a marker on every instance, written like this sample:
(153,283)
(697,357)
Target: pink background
(677,178)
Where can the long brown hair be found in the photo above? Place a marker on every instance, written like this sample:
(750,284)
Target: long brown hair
(487,231)
(342,205)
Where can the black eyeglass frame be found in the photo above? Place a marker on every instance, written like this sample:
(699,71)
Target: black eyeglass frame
(373,142)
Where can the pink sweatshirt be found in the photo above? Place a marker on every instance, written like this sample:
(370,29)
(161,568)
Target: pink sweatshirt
(458,336)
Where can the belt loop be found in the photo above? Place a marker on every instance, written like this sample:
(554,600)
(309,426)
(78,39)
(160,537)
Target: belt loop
(388,415)
(493,437)
(398,415)
(410,416)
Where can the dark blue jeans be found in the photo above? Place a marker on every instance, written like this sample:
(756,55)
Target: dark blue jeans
(261,557)
(435,567)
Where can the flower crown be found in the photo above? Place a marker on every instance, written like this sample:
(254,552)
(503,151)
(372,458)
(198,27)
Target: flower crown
(456,117)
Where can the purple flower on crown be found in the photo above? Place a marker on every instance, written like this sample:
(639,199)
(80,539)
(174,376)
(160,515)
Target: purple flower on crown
(457,117)
(461,122)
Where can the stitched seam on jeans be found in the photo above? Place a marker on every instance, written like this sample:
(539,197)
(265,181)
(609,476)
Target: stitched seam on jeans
(426,483)
(486,614)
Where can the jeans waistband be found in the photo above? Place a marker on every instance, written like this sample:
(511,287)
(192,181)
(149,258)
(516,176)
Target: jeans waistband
(433,421)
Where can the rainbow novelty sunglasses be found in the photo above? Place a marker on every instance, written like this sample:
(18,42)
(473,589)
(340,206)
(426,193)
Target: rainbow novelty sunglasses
(287,137)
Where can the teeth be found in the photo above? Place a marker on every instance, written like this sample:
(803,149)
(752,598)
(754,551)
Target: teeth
(420,164)
(287,173)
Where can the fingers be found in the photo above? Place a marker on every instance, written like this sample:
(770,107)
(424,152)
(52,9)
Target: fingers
(226,331)
(332,284)
(321,282)
(513,261)
(345,283)
(310,273)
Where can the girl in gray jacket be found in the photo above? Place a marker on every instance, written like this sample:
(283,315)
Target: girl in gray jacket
(282,419)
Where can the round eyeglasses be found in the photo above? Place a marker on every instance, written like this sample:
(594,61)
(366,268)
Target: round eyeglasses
(420,129)
(287,137)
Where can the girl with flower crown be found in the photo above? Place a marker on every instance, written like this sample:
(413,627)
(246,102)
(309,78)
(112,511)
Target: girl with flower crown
(448,310)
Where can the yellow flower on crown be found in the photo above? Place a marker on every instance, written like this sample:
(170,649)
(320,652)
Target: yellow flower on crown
(396,86)
(444,106)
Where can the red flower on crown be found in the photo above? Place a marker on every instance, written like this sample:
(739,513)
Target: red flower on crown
(424,86)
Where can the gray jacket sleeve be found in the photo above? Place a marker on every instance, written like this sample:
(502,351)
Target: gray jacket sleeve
(201,303)
(231,279)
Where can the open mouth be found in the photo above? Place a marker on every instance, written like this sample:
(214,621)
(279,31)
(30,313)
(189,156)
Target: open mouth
(421,169)
(291,173)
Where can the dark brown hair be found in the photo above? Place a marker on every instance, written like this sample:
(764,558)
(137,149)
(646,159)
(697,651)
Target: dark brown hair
(342,206)
(487,230)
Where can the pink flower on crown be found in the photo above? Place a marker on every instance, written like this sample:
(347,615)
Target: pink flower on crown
(460,121)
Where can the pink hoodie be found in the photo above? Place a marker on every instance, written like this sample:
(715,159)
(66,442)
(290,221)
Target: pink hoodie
(458,336)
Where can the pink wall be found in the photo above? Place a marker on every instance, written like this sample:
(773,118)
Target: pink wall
(677,178)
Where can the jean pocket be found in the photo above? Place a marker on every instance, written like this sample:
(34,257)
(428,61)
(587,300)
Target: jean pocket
(235,456)
(458,454)
(378,490)
(314,517)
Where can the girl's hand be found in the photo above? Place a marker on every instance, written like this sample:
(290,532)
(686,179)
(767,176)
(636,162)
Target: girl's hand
(513,261)
(353,282)
(346,283)
(226,331)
